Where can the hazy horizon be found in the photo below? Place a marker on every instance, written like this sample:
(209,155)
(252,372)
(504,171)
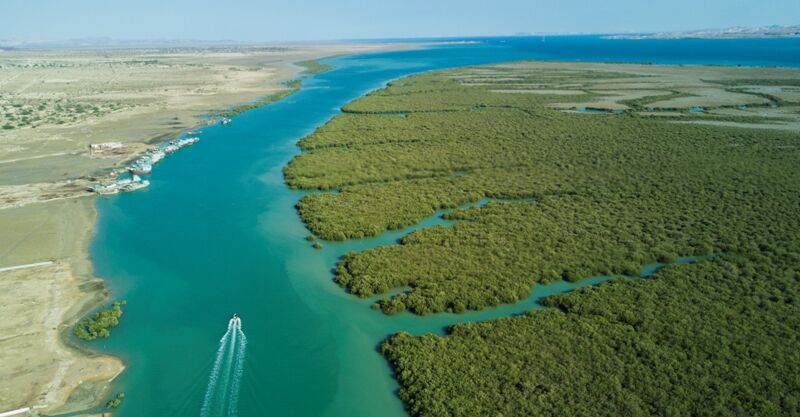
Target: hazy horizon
(251,21)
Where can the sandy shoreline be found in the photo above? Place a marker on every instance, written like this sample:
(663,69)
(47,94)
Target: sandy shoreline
(39,368)
(48,218)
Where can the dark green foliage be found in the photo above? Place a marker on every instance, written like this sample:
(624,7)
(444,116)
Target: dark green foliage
(316,245)
(116,401)
(612,192)
(355,213)
(579,195)
(291,88)
(714,338)
(792,82)
(644,102)
(312,66)
(99,324)
(495,254)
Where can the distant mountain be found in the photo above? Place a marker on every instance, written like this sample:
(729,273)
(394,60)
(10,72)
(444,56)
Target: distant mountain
(91,43)
(774,31)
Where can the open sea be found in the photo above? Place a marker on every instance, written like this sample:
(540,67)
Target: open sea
(217,233)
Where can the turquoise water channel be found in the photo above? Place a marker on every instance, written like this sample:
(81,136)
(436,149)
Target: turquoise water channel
(217,233)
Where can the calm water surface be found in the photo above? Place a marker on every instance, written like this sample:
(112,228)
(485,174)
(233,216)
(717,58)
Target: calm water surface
(217,233)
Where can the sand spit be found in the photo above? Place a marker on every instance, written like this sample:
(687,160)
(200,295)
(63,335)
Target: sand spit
(40,298)
(31,331)
(54,104)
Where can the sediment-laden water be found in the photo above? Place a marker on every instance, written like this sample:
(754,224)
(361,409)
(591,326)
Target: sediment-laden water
(217,233)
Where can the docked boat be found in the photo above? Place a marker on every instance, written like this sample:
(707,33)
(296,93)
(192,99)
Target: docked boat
(177,144)
(144,165)
(133,183)
(138,184)
(140,168)
(226,121)
(181,143)
(156,157)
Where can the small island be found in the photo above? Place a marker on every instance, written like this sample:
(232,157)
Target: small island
(116,401)
(313,66)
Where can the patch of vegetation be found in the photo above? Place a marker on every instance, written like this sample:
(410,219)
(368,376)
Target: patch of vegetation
(713,338)
(291,88)
(773,101)
(313,66)
(644,102)
(578,196)
(768,82)
(116,401)
(612,191)
(687,117)
(31,113)
(99,324)
(495,254)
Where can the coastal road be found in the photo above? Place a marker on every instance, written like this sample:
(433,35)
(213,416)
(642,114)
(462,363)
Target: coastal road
(25,266)
(15,412)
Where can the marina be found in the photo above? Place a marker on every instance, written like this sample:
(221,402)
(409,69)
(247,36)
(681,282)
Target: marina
(143,166)
(126,184)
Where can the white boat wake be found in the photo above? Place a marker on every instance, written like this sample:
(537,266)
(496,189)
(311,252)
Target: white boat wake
(222,393)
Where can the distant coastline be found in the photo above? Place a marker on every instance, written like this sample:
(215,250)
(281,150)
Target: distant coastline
(766,32)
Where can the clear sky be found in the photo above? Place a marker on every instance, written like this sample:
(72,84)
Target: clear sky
(274,20)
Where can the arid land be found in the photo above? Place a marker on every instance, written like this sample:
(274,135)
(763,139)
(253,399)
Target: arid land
(53,105)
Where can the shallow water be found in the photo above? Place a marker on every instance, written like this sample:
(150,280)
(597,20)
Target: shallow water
(217,233)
